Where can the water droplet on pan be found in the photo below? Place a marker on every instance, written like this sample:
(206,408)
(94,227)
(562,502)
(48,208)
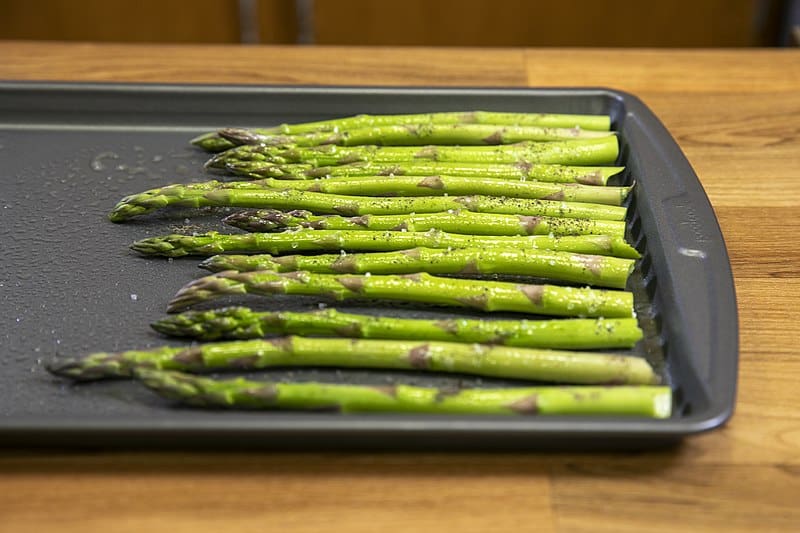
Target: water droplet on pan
(99,163)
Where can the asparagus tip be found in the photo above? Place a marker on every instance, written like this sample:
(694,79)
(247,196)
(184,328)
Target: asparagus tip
(203,289)
(208,263)
(216,162)
(200,139)
(239,136)
(96,366)
(264,220)
(170,385)
(157,246)
(64,367)
(123,211)
(165,326)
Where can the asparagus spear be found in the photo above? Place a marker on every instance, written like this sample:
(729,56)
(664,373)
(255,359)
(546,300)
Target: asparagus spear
(321,203)
(454,185)
(199,194)
(211,141)
(353,240)
(593,270)
(433,186)
(270,220)
(420,287)
(600,151)
(415,135)
(548,173)
(244,323)
(552,120)
(479,359)
(642,401)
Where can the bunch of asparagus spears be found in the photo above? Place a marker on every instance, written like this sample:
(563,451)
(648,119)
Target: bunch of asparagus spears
(438,208)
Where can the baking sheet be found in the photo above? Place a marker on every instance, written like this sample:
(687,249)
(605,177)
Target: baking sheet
(69,284)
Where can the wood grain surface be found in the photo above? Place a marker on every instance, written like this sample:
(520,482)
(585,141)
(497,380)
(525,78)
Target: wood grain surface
(734,113)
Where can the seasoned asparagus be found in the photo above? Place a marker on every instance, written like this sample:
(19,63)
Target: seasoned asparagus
(308,240)
(213,142)
(601,151)
(596,176)
(415,135)
(201,195)
(293,351)
(420,287)
(244,323)
(454,185)
(464,222)
(596,270)
(642,401)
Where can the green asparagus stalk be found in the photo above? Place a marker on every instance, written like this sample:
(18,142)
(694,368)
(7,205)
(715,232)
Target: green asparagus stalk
(601,151)
(244,323)
(454,185)
(551,120)
(641,401)
(548,173)
(321,203)
(583,269)
(293,351)
(415,135)
(194,194)
(421,288)
(466,222)
(213,142)
(435,186)
(212,243)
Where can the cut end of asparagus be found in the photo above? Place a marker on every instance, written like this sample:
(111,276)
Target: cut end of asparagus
(621,248)
(662,403)
(599,176)
(624,193)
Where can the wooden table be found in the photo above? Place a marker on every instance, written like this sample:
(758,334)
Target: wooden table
(736,116)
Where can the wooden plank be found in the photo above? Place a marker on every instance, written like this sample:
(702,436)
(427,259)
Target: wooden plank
(670,497)
(262,492)
(257,65)
(753,236)
(685,72)
(766,309)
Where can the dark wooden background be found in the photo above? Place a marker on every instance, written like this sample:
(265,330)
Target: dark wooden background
(678,23)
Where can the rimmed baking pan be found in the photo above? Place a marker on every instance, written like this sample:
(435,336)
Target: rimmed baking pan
(69,285)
